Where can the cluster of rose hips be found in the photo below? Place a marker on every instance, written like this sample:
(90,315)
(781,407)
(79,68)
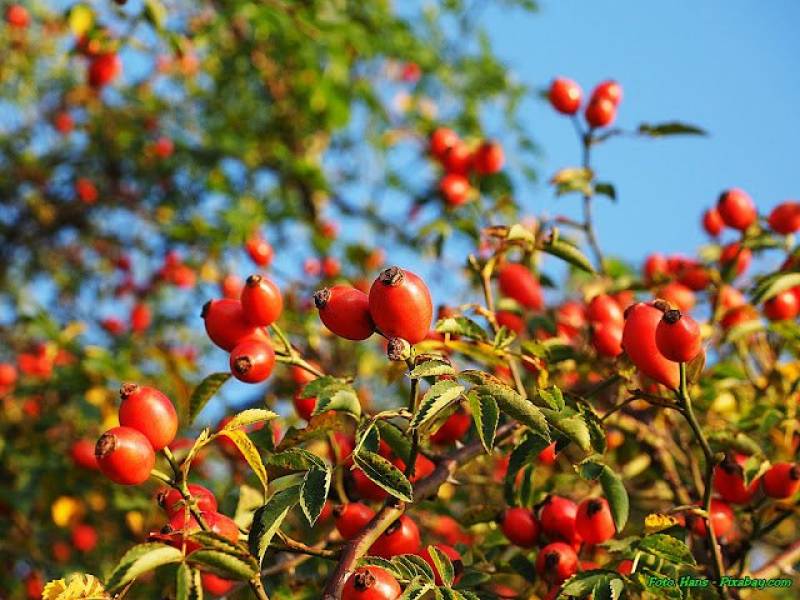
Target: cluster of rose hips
(147,423)
(459,160)
(565,527)
(735,209)
(239,327)
(183,508)
(398,306)
(566,97)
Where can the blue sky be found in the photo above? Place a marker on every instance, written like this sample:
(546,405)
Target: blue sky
(729,67)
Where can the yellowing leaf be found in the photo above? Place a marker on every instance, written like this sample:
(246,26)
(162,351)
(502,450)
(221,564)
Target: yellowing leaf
(78,586)
(655,522)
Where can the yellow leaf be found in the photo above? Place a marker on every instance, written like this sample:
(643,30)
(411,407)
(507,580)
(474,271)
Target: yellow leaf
(78,586)
(655,522)
(249,452)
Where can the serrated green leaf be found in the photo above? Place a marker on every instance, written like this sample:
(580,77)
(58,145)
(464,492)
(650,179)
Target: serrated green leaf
(416,589)
(399,443)
(324,386)
(139,560)
(415,565)
(524,453)
(575,428)
(384,474)
(517,407)
(443,565)
(188,585)
(223,564)
(268,519)
(344,400)
(435,400)
(432,368)
(486,415)
(582,584)
(204,392)
(386,565)
(314,493)
(668,548)
(553,397)
(297,459)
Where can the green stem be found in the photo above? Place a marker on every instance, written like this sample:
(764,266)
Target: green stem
(711,537)
(411,460)
(258,588)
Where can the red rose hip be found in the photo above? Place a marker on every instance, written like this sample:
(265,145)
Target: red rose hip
(678,336)
(401,305)
(252,360)
(371,583)
(639,343)
(149,411)
(519,284)
(345,311)
(262,302)
(736,209)
(594,522)
(125,456)
(565,96)
(519,525)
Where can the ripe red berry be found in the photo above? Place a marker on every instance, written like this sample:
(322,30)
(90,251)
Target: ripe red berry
(600,112)
(262,302)
(782,480)
(226,324)
(351,518)
(8,375)
(171,500)
(557,562)
(733,252)
(125,456)
(736,209)
(17,16)
(345,311)
(785,218)
(738,315)
(402,537)
(330,267)
(607,339)
(548,455)
(103,69)
(625,567)
(232,286)
(518,283)
(260,250)
(34,586)
(371,583)
(63,122)
(423,466)
(678,336)
(557,518)
(455,189)
(84,537)
(609,89)
(149,411)
(442,139)
(401,305)
(565,95)
(252,360)
(458,159)
(594,522)
(639,343)
(712,222)
(304,406)
(141,317)
(678,295)
(782,307)
(86,190)
(301,376)
(454,428)
(511,321)
(728,480)
(451,553)
(722,518)
(519,525)
(655,268)
(604,309)
(215,585)
(82,454)
(489,158)
(182,525)
(366,489)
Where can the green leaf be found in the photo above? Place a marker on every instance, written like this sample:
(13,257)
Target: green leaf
(432,368)
(575,428)
(771,286)
(553,397)
(314,492)
(517,407)
(486,415)
(416,589)
(297,459)
(155,12)
(609,589)
(344,400)
(268,519)
(435,400)
(443,565)
(187,583)
(415,565)
(463,326)
(249,417)
(139,560)
(248,451)
(399,443)
(583,584)
(204,392)
(384,474)
(214,541)
(670,128)
(225,565)
(324,386)
(568,252)
(606,189)
(573,179)
(524,453)
(613,489)
(668,548)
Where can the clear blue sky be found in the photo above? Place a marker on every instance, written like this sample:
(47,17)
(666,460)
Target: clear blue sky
(730,67)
